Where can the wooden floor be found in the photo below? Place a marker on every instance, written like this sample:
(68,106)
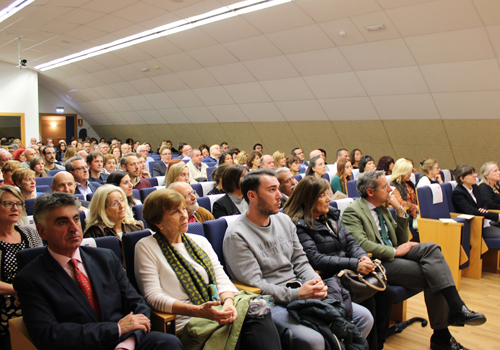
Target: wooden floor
(479,295)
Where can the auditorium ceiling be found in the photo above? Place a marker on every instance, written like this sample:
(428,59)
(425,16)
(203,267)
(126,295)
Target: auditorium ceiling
(301,60)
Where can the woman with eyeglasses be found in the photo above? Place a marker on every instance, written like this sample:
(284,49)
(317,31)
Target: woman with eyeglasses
(110,214)
(13,238)
(431,173)
(467,199)
(122,180)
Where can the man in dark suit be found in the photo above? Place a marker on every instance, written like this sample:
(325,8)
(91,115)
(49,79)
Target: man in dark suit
(160,168)
(78,168)
(408,264)
(76,297)
(63,181)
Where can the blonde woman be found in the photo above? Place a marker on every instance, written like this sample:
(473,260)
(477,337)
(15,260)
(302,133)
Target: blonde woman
(37,165)
(404,188)
(490,192)
(24,178)
(279,159)
(110,214)
(70,153)
(430,173)
(177,172)
(242,158)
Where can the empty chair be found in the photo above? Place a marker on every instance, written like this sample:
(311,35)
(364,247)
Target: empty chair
(153,181)
(144,192)
(204,202)
(352,191)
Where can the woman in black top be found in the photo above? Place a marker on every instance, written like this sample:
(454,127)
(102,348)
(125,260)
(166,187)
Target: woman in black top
(490,192)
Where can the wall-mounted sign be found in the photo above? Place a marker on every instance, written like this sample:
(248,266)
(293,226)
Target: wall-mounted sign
(80,122)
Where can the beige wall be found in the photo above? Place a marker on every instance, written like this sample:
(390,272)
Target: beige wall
(450,141)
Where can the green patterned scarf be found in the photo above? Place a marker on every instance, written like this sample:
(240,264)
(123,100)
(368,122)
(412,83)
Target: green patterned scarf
(198,291)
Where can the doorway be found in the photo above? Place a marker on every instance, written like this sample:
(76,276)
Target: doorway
(57,127)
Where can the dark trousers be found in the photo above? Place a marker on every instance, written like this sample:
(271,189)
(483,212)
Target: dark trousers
(159,341)
(380,306)
(259,334)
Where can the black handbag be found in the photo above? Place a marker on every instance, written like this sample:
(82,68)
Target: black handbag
(362,287)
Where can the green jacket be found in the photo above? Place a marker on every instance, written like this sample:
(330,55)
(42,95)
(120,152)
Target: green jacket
(202,333)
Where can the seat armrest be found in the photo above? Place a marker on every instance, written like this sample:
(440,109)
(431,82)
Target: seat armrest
(242,286)
(163,322)
(19,336)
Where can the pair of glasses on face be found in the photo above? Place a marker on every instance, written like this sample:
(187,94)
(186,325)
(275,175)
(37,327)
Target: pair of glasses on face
(9,204)
(82,168)
(191,194)
(117,203)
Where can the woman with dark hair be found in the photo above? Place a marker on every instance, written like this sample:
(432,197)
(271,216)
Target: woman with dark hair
(330,249)
(232,203)
(293,163)
(226,158)
(37,165)
(180,273)
(253,160)
(316,168)
(217,177)
(467,199)
(61,149)
(205,150)
(366,163)
(386,163)
(122,180)
(355,157)
(344,174)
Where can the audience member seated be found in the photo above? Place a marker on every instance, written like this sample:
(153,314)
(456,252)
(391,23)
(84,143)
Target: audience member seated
(194,211)
(186,152)
(490,176)
(287,183)
(110,163)
(13,238)
(214,155)
(217,177)
(177,171)
(122,179)
(143,149)
(49,154)
(25,180)
(254,255)
(316,153)
(160,168)
(36,164)
(78,168)
(110,214)
(385,163)
(408,264)
(70,153)
(95,163)
(366,163)
(56,304)
(19,155)
(197,169)
(267,162)
(130,164)
(341,154)
(293,163)
(279,158)
(316,168)
(226,158)
(142,166)
(181,274)
(7,170)
(300,153)
(355,157)
(467,199)
(61,149)
(232,203)
(430,170)
(253,160)
(404,188)
(30,153)
(205,151)
(224,146)
(242,158)
(330,248)
(344,174)
(235,152)
(125,148)
(258,147)
(63,181)
(117,152)
(103,147)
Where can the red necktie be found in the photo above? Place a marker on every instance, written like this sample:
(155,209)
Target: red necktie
(85,286)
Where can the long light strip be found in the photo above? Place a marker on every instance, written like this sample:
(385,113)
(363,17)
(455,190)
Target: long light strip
(13,8)
(168,29)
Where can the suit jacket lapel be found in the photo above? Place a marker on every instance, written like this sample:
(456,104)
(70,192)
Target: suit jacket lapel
(368,214)
(61,277)
(390,227)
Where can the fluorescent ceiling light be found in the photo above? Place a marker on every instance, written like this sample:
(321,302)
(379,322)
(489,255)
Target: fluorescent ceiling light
(13,8)
(168,29)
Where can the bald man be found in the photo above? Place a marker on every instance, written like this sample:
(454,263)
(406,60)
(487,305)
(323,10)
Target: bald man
(195,212)
(63,181)
(267,162)
(214,155)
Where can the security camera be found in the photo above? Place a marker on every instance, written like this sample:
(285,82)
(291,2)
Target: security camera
(22,63)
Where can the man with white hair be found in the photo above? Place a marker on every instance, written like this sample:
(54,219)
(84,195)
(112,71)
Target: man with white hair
(195,212)
(30,153)
(287,183)
(126,148)
(315,153)
(143,149)
(267,162)
(197,169)
(214,155)
(103,147)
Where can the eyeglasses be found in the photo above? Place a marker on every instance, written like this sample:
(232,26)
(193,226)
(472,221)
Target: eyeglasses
(82,168)
(191,194)
(117,203)
(9,204)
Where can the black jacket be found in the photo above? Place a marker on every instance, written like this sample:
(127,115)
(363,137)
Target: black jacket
(490,198)
(224,206)
(328,252)
(159,169)
(464,203)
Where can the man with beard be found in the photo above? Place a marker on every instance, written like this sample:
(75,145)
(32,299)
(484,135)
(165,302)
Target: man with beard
(195,212)
(49,154)
(287,183)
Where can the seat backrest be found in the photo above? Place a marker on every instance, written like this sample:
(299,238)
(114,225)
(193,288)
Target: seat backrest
(108,242)
(43,181)
(24,256)
(53,172)
(136,194)
(153,181)
(30,205)
(429,209)
(196,228)
(355,174)
(448,193)
(151,164)
(352,191)
(198,188)
(207,187)
(137,212)
(79,196)
(210,170)
(213,198)
(343,203)
(214,232)
(83,216)
(144,192)
(43,189)
(298,177)
(129,241)
(161,180)
(204,202)
(447,175)
(326,176)
(89,196)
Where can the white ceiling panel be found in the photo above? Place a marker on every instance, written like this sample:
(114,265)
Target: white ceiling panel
(160,101)
(179,62)
(109,60)
(173,116)
(198,78)
(124,89)
(252,48)
(326,61)
(104,106)
(90,80)
(388,32)
(469,105)
(49,12)
(108,76)
(462,76)
(109,24)
(120,105)
(108,6)
(90,94)
(132,54)
(380,54)
(494,35)
(199,115)
(418,106)
(138,12)
(342,32)
(191,39)
(271,68)
(213,56)
(460,45)
(389,4)
(90,66)
(240,29)
(488,10)
(128,72)
(335,85)
(288,89)
(262,112)
(185,98)
(152,117)
(393,81)
(80,16)
(231,74)
(106,92)
(89,107)
(228,114)
(302,110)
(138,103)
(133,118)
(327,10)
(59,27)
(101,119)
(169,82)
(145,86)
(435,17)
(354,108)
(301,39)
(248,92)
(213,96)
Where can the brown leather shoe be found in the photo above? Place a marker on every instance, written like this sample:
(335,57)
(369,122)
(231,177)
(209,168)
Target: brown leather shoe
(466,317)
(453,345)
